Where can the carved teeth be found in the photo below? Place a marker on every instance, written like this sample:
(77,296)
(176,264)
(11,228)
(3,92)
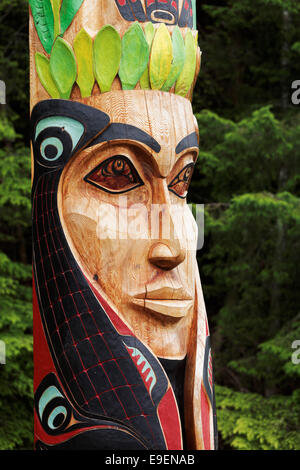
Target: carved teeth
(140,359)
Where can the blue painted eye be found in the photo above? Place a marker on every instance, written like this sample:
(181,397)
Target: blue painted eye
(51,148)
(57,417)
(56,137)
(54,410)
(74,128)
(49,394)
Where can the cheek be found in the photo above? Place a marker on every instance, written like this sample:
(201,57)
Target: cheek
(83,234)
(100,256)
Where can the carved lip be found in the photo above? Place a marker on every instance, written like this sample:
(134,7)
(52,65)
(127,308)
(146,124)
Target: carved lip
(169,308)
(165,293)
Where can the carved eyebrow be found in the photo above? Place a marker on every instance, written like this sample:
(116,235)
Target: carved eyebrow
(119,131)
(187,142)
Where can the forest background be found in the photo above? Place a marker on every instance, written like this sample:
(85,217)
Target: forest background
(247,176)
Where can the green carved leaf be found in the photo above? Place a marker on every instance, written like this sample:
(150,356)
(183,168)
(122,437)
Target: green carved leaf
(107,56)
(63,67)
(149,35)
(43,70)
(160,58)
(187,75)
(68,11)
(83,48)
(178,59)
(135,56)
(44,22)
(56,7)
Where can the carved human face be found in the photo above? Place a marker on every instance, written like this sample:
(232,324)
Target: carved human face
(123,207)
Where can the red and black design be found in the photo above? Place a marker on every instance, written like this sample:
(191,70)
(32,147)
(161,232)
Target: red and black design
(208,399)
(63,428)
(157,11)
(186,16)
(81,341)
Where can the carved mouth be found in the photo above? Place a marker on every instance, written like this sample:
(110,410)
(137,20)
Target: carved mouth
(170,308)
(164,293)
(166,301)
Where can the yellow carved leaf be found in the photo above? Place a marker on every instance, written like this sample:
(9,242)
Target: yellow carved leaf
(160,58)
(83,48)
(186,78)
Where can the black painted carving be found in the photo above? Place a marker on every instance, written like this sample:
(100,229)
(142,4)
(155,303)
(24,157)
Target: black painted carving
(106,438)
(208,381)
(119,131)
(57,417)
(93,121)
(187,142)
(91,358)
(186,16)
(109,169)
(157,11)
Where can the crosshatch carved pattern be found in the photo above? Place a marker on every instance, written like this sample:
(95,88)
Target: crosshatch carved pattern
(94,363)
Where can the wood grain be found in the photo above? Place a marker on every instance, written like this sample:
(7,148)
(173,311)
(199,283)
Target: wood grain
(92,16)
(136,248)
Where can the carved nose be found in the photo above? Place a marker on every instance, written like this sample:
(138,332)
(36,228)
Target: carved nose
(161,256)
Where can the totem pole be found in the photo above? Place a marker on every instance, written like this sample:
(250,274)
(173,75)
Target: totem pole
(121,341)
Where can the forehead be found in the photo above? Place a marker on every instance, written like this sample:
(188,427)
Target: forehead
(166,117)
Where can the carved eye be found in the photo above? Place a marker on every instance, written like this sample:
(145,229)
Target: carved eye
(55,139)
(54,410)
(115,175)
(180,184)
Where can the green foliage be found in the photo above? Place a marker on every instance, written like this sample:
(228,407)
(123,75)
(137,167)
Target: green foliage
(247,174)
(248,55)
(250,273)
(259,153)
(251,422)
(14,59)
(16,401)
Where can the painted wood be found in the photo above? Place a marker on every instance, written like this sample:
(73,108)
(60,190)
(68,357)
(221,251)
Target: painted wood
(63,67)
(122,345)
(178,59)
(161,58)
(83,48)
(107,56)
(42,65)
(135,56)
(44,22)
(69,9)
(149,35)
(187,74)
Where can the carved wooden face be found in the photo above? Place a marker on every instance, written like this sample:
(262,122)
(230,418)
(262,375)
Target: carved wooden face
(123,207)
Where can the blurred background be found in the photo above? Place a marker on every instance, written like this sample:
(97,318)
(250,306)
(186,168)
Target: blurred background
(247,176)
